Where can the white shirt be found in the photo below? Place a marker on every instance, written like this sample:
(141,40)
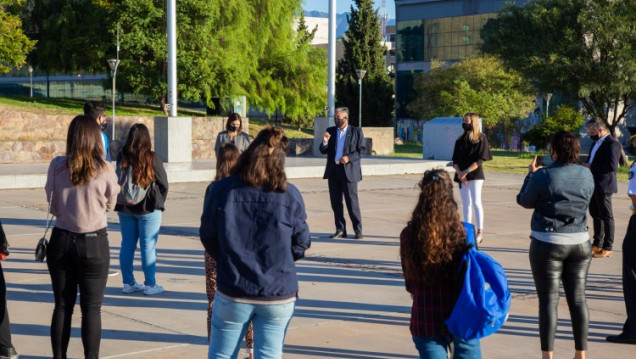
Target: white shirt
(597,144)
(342,135)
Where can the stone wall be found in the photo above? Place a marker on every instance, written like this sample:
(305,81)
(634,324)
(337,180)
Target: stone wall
(382,140)
(27,137)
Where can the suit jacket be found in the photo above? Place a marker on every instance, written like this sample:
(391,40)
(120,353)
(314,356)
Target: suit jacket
(354,147)
(605,165)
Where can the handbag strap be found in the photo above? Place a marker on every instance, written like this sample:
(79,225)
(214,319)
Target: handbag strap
(49,220)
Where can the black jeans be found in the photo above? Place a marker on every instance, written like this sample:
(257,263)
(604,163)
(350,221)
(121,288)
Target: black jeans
(5,328)
(78,260)
(339,186)
(629,278)
(603,220)
(554,263)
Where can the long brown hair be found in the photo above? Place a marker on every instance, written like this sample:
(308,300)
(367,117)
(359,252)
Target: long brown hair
(225,160)
(84,150)
(137,152)
(436,239)
(474,136)
(263,163)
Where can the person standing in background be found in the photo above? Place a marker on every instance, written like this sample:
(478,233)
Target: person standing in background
(471,150)
(603,162)
(7,351)
(97,111)
(344,146)
(233,134)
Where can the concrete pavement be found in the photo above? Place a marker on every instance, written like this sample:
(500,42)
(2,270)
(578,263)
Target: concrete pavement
(352,299)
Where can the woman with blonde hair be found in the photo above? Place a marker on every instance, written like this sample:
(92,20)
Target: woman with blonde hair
(140,222)
(80,187)
(471,150)
(254,226)
(431,249)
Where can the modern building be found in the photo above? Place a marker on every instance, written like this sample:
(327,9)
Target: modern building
(429,30)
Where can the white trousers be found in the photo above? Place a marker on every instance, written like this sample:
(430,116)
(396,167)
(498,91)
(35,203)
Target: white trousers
(471,200)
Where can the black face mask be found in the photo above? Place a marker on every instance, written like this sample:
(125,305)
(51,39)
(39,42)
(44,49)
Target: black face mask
(339,122)
(467,126)
(233,128)
(595,137)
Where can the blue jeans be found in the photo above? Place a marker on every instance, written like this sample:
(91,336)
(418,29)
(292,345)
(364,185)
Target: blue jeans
(435,348)
(230,321)
(145,229)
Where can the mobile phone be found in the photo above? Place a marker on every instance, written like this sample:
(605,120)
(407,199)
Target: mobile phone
(539,161)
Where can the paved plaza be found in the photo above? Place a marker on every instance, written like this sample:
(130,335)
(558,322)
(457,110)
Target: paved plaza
(352,299)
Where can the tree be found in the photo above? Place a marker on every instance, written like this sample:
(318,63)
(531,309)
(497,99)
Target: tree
(585,48)
(566,118)
(14,44)
(363,49)
(478,84)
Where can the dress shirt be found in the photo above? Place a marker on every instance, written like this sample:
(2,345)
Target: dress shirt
(597,144)
(342,134)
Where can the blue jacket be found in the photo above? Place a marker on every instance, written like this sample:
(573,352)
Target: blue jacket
(255,236)
(560,195)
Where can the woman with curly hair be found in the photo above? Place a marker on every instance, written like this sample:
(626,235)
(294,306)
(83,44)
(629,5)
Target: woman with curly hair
(431,248)
(225,160)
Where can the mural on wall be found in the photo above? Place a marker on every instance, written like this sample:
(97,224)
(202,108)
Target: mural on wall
(410,130)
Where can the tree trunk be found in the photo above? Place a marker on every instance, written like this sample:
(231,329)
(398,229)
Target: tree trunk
(162,102)
(623,160)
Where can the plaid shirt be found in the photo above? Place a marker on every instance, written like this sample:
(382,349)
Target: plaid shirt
(432,305)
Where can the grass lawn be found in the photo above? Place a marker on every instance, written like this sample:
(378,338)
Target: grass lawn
(256,125)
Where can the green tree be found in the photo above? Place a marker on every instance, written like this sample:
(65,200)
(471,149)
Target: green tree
(566,118)
(71,36)
(585,48)
(14,44)
(363,49)
(478,84)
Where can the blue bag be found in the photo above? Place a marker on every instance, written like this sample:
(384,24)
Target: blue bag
(484,301)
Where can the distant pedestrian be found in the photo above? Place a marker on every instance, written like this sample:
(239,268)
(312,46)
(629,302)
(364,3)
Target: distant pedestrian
(7,351)
(471,150)
(431,249)
(140,222)
(628,335)
(228,154)
(560,248)
(97,111)
(344,146)
(81,187)
(233,134)
(254,226)
(603,162)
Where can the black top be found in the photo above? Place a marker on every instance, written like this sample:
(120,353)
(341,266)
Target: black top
(467,153)
(156,196)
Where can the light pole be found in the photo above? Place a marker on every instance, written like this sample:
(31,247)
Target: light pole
(113,63)
(360,73)
(548,96)
(31,81)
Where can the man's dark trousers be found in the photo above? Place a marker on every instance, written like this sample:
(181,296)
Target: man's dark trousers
(602,219)
(338,186)
(629,278)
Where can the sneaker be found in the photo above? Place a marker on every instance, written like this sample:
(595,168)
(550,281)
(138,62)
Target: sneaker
(479,238)
(8,353)
(155,289)
(131,288)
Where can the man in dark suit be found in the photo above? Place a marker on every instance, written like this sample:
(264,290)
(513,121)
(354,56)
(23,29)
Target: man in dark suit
(603,162)
(344,146)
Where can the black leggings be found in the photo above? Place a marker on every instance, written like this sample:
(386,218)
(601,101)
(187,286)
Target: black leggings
(554,263)
(78,261)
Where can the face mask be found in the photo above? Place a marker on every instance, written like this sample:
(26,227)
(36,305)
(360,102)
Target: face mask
(595,137)
(339,122)
(467,126)
(233,128)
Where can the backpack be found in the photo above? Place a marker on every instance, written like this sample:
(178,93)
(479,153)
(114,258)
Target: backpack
(131,193)
(484,301)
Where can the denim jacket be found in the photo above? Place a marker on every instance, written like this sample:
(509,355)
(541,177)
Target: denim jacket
(255,236)
(560,195)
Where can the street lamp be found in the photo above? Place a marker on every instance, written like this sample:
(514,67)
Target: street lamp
(360,73)
(548,96)
(31,80)
(113,63)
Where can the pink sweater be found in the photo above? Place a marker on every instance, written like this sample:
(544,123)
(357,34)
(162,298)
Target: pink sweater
(80,209)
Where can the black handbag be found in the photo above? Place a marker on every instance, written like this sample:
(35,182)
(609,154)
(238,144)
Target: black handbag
(43,243)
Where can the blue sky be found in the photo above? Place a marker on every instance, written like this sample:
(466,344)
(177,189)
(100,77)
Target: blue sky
(345,6)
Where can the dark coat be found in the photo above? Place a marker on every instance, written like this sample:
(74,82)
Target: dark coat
(354,147)
(605,165)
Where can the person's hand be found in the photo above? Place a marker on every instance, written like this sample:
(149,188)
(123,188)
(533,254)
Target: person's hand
(588,165)
(344,160)
(326,137)
(463,177)
(533,165)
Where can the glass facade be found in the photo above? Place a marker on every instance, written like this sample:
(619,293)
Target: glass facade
(450,38)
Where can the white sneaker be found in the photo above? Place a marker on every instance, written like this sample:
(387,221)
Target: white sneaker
(135,287)
(155,289)
(480,238)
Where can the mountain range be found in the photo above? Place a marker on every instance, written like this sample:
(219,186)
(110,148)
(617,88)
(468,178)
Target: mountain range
(341,21)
